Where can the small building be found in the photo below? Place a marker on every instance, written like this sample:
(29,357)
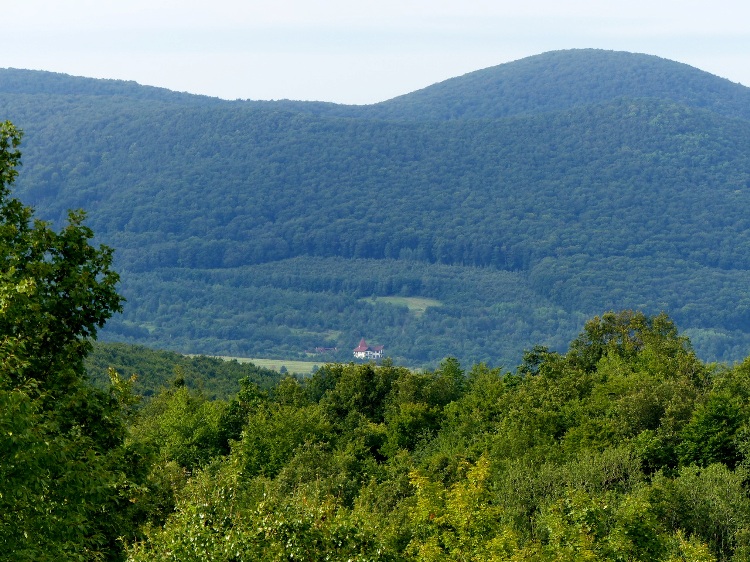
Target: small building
(364,351)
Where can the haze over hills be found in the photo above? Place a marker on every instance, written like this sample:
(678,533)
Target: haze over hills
(521,198)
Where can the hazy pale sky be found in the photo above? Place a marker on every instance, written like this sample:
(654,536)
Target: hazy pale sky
(350,51)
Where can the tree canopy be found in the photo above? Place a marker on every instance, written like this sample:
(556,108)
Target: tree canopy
(61,439)
(625,447)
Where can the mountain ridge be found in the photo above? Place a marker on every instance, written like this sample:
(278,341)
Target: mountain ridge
(559,80)
(604,75)
(583,208)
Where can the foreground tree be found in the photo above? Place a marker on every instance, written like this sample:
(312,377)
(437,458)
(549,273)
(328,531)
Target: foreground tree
(61,490)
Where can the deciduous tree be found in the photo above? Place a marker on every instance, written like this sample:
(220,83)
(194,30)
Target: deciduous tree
(60,438)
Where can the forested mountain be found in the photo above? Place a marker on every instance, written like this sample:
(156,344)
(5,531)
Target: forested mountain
(524,198)
(555,81)
(252,227)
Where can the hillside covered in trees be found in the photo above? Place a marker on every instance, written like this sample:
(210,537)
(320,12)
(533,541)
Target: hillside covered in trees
(522,198)
(625,447)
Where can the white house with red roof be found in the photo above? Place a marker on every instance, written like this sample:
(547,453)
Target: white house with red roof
(364,351)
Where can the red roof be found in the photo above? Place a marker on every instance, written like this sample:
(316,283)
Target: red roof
(362,345)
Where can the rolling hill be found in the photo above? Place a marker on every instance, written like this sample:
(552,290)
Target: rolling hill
(523,198)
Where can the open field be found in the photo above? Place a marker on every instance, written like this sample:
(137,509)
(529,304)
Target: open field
(416,305)
(292,366)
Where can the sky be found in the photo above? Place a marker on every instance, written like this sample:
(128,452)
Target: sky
(354,52)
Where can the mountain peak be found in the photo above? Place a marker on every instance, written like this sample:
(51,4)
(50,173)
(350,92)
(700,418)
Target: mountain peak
(559,80)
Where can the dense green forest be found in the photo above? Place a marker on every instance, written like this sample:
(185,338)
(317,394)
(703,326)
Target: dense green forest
(525,198)
(626,446)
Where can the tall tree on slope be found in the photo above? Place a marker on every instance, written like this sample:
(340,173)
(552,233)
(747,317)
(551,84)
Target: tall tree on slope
(60,438)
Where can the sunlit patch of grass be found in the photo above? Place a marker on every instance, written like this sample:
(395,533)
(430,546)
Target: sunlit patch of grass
(293,366)
(416,305)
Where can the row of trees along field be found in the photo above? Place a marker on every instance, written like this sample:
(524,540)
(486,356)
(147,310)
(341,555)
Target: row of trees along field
(625,447)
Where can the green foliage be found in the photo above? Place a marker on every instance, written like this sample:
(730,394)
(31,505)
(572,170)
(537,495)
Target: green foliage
(61,439)
(57,289)
(154,370)
(235,416)
(606,452)
(711,503)
(525,198)
(460,523)
(414,412)
(183,426)
(711,435)
(625,335)
(359,389)
(624,447)
(55,486)
(220,517)
(718,426)
(274,432)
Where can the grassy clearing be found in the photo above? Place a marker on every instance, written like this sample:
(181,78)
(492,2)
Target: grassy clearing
(325,335)
(416,305)
(292,366)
